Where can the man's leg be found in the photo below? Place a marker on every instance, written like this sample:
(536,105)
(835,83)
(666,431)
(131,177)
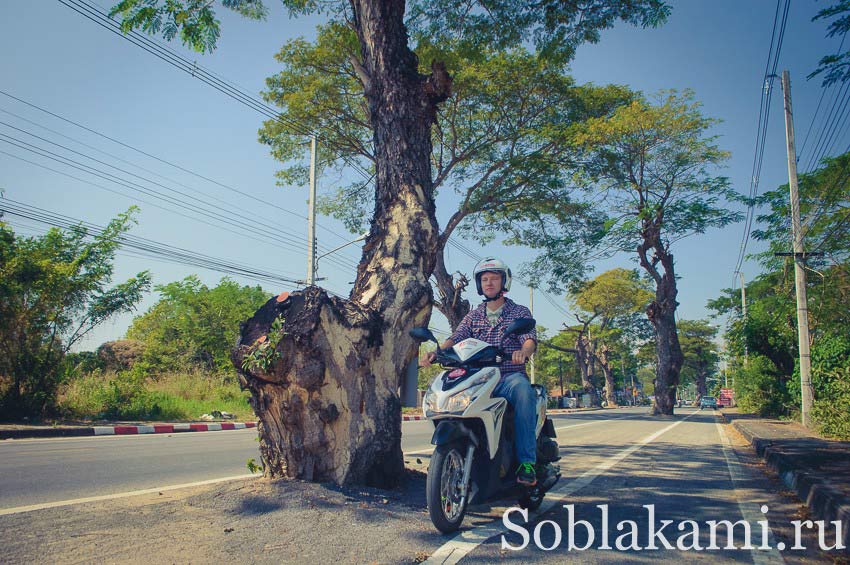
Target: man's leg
(516,389)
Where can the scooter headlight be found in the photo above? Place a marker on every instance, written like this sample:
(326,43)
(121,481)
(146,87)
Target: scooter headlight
(429,402)
(458,402)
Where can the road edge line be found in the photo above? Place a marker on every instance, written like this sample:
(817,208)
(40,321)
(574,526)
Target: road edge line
(60,503)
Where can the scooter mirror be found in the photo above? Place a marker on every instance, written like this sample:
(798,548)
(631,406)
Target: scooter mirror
(521,326)
(422,334)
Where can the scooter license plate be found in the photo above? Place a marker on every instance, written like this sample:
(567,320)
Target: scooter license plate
(456,373)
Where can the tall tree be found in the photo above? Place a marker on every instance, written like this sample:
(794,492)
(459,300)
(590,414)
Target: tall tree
(328,404)
(610,298)
(652,164)
(501,143)
(699,350)
(54,290)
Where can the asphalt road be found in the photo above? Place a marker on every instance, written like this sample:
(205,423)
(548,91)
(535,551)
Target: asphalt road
(52,470)
(690,469)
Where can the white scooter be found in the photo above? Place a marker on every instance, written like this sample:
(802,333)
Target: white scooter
(475,458)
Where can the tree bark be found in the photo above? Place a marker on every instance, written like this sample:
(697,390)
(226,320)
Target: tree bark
(328,404)
(605,365)
(662,314)
(585,367)
(702,387)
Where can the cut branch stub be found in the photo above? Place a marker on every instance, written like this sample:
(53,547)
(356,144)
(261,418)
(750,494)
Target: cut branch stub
(324,414)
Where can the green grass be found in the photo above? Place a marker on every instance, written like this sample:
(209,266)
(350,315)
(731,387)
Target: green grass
(168,397)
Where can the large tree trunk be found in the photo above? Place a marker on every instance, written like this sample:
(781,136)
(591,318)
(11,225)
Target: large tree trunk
(452,304)
(328,404)
(702,387)
(605,365)
(585,367)
(662,313)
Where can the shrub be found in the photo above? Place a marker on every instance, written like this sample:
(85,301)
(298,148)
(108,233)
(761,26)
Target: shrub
(760,389)
(120,355)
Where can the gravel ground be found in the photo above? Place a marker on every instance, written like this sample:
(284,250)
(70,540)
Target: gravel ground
(244,521)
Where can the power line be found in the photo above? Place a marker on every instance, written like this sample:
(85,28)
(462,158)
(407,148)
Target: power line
(820,100)
(764,117)
(147,247)
(156,158)
(201,205)
(215,213)
(93,13)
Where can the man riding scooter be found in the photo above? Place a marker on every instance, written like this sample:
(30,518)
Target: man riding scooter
(487,323)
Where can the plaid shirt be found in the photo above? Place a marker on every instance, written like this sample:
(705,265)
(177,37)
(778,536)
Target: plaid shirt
(475,325)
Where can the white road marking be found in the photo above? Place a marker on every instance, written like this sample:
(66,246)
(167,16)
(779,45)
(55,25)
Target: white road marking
(751,515)
(33,507)
(462,544)
(429,450)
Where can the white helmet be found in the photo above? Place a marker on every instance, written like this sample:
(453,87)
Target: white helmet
(492,265)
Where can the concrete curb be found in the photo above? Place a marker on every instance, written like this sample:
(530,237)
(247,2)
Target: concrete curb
(824,500)
(122,430)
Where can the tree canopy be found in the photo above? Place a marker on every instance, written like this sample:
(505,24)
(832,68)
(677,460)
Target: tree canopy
(193,325)
(652,165)
(54,290)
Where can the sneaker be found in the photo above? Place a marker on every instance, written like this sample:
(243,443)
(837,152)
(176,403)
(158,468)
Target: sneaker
(526,475)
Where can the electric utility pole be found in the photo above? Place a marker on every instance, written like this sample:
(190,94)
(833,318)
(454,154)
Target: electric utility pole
(311,217)
(799,257)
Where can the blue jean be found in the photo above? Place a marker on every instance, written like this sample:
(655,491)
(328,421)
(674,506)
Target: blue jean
(516,389)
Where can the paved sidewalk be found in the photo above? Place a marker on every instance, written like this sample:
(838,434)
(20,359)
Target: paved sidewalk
(817,469)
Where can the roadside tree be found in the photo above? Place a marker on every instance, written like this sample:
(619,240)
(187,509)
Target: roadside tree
(327,396)
(652,165)
(54,290)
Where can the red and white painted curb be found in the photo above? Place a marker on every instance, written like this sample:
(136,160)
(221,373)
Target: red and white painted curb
(412,418)
(170,428)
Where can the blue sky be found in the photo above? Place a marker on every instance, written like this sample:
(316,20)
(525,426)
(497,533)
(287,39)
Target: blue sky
(58,60)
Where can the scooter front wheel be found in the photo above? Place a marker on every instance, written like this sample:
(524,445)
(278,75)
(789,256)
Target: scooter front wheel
(446,505)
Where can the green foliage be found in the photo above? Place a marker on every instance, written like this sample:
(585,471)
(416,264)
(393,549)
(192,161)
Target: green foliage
(54,291)
(653,164)
(696,338)
(194,326)
(253,467)
(835,67)
(263,353)
(831,382)
(614,294)
(761,389)
(555,28)
(131,395)
(194,20)
(824,200)
(501,143)
(554,366)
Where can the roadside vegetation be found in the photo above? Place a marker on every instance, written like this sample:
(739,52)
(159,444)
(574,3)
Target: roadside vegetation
(763,351)
(175,365)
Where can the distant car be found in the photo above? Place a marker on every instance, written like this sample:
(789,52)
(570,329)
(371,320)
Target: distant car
(708,402)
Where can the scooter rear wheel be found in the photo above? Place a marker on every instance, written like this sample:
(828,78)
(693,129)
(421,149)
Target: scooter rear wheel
(442,490)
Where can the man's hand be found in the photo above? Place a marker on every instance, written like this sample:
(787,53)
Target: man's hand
(520,357)
(428,359)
